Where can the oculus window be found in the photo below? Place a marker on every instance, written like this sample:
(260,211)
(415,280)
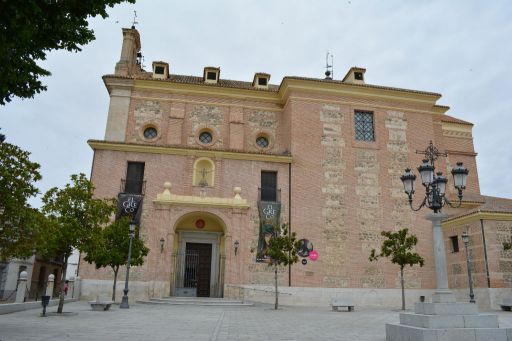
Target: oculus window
(262,142)
(205,137)
(150,133)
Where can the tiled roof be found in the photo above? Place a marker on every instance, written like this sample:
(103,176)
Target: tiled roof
(488,205)
(227,83)
(450,119)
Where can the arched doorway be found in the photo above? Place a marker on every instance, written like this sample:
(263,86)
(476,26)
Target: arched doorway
(199,257)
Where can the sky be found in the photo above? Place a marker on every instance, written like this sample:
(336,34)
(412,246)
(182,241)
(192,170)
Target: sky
(460,49)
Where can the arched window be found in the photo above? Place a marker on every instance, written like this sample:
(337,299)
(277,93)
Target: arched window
(204,172)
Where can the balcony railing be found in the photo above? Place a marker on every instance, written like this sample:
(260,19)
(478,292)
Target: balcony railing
(133,186)
(269,194)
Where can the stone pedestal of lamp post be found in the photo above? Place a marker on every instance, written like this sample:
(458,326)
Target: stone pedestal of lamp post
(444,319)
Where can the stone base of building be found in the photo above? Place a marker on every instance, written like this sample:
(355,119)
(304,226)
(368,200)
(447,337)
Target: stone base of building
(443,320)
(138,290)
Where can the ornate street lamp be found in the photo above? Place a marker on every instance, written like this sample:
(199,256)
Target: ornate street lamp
(124,301)
(435,198)
(465,239)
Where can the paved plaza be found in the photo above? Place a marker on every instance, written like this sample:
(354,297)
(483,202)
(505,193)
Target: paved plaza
(179,322)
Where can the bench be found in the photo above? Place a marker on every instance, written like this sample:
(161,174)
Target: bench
(100,305)
(506,304)
(341,302)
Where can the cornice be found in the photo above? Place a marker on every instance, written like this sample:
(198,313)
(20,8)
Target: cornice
(475,216)
(151,149)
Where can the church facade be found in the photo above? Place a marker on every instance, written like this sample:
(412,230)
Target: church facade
(214,163)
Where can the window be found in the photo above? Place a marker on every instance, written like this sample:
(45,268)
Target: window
(211,75)
(268,186)
(205,137)
(262,81)
(358,76)
(134,178)
(262,142)
(150,133)
(363,121)
(455,243)
(159,70)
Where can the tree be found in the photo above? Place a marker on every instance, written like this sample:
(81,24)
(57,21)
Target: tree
(282,251)
(399,245)
(111,249)
(75,220)
(29,29)
(19,222)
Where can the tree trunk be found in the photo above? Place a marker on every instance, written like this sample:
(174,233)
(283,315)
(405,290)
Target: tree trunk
(277,293)
(402,284)
(116,269)
(62,283)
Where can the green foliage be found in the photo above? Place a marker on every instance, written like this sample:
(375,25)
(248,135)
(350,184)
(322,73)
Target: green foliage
(18,221)
(399,247)
(75,216)
(111,249)
(282,248)
(29,29)
(75,220)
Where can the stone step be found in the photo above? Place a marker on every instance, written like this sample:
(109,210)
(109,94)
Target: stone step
(196,301)
(400,332)
(461,308)
(450,321)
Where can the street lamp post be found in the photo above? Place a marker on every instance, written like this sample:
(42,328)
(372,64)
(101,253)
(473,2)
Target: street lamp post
(124,301)
(435,198)
(465,239)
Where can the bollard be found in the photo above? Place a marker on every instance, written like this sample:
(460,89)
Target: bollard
(22,287)
(71,286)
(49,285)
(45,300)
(76,287)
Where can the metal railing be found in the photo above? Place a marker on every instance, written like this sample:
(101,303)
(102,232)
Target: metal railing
(133,186)
(269,194)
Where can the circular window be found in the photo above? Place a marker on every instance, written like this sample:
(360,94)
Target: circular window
(262,142)
(150,133)
(205,137)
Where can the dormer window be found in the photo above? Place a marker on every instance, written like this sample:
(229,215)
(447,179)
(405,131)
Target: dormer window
(354,76)
(160,70)
(260,80)
(211,74)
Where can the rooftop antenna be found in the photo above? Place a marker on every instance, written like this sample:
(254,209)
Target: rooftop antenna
(329,70)
(135,22)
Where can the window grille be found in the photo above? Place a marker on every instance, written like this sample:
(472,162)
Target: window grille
(364,126)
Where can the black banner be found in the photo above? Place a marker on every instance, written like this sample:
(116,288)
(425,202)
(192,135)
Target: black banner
(129,205)
(270,213)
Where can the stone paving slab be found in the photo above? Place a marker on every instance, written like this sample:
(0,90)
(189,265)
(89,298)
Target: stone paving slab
(191,323)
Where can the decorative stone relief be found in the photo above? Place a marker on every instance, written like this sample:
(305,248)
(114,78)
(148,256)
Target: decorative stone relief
(147,112)
(204,116)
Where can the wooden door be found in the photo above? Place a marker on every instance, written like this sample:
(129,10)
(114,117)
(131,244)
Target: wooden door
(203,268)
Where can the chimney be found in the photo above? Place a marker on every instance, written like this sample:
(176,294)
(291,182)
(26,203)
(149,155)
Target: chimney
(131,46)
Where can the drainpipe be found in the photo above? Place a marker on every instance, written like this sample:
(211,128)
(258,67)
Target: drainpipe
(485,254)
(289,217)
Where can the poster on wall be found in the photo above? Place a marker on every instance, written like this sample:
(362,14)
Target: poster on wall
(270,213)
(129,205)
